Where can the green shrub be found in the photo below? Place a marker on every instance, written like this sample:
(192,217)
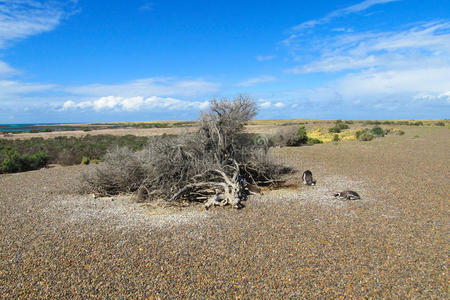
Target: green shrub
(312,141)
(402,123)
(11,163)
(85,160)
(27,162)
(334,129)
(439,124)
(377,130)
(348,122)
(399,132)
(289,136)
(338,127)
(370,122)
(418,123)
(365,136)
(336,138)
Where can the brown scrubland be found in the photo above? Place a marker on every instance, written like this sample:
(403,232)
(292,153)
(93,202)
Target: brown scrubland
(298,241)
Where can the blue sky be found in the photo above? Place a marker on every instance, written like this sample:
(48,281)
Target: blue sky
(92,61)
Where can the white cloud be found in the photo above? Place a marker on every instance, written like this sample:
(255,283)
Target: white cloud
(428,42)
(266,104)
(279,104)
(134,104)
(433,97)
(340,12)
(22,18)
(378,67)
(10,88)
(396,81)
(335,64)
(6,70)
(256,80)
(148,5)
(149,87)
(264,57)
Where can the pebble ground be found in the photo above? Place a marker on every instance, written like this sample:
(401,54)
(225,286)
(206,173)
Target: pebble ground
(290,243)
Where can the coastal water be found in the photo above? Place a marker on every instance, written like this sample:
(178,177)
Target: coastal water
(35,126)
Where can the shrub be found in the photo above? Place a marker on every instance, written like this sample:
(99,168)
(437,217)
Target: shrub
(377,131)
(336,138)
(348,122)
(290,136)
(11,163)
(211,165)
(85,160)
(439,124)
(70,150)
(312,141)
(334,129)
(402,123)
(338,127)
(399,132)
(365,136)
(370,122)
(418,123)
(343,126)
(27,162)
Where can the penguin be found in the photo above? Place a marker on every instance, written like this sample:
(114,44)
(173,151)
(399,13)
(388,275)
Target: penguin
(307,178)
(347,195)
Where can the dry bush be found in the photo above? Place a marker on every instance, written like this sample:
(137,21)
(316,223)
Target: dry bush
(290,136)
(213,165)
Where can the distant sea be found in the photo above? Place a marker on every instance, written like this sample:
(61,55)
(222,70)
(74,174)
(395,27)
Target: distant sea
(35,126)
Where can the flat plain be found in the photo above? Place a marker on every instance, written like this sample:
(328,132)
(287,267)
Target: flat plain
(297,242)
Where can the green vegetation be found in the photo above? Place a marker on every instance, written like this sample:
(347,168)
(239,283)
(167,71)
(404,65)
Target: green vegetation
(290,136)
(338,127)
(336,138)
(85,160)
(312,141)
(14,162)
(24,155)
(377,131)
(439,124)
(364,135)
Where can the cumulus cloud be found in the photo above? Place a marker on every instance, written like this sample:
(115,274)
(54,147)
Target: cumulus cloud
(134,104)
(279,104)
(256,80)
(268,104)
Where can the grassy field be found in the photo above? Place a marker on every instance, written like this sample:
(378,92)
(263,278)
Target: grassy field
(296,242)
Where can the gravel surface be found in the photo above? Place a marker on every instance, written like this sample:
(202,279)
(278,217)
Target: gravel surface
(298,242)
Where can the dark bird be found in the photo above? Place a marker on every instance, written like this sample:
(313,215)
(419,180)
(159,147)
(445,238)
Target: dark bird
(347,195)
(307,178)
